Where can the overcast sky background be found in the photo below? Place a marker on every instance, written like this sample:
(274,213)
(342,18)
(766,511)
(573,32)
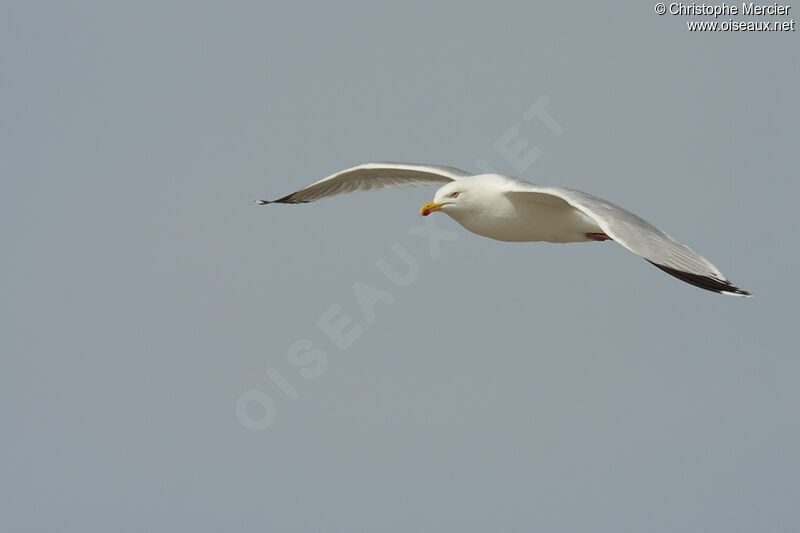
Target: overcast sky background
(506,388)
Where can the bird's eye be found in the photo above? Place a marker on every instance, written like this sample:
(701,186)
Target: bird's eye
(454,195)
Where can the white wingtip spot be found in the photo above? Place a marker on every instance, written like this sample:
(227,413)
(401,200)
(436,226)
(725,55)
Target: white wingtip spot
(742,294)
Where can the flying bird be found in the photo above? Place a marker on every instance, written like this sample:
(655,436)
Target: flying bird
(509,209)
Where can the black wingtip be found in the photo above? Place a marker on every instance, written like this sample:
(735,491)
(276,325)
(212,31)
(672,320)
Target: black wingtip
(704,282)
(288,199)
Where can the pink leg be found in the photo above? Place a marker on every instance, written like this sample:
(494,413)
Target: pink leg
(599,237)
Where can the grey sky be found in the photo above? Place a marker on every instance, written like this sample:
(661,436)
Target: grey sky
(507,387)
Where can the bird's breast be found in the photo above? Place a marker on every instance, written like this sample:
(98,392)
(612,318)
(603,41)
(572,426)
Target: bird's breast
(507,221)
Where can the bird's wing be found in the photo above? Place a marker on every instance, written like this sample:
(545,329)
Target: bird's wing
(639,236)
(372,176)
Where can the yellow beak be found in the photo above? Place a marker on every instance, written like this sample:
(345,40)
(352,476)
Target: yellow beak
(429,208)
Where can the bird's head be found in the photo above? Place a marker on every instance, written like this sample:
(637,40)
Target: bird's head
(449,198)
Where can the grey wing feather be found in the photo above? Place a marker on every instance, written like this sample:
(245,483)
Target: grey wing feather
(372,176)
(644,239)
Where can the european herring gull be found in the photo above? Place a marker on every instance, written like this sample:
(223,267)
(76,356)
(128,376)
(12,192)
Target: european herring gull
(509,209)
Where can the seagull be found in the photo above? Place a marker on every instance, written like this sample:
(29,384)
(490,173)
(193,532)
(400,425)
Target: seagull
(509,209)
